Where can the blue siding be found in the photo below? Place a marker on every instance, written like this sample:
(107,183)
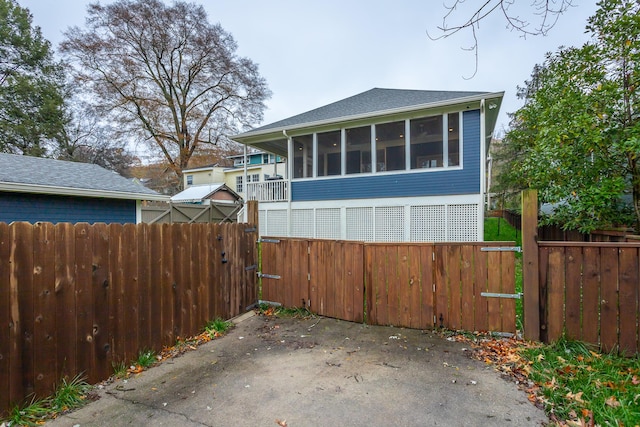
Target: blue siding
(431,183)
(46,208)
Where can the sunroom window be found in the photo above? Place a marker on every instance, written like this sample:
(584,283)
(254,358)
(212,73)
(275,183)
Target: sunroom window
(390,146)
(358,149)
(453,129)
(432,142)
(329,153)
(303,156)
(427,148)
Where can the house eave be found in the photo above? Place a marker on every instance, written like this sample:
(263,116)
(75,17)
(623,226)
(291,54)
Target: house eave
(255,136)
(79,192)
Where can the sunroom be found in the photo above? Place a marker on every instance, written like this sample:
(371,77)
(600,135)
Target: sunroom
(383,165)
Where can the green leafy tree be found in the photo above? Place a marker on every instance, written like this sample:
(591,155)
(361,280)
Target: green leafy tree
(166,74)
(577,137)
(31,85)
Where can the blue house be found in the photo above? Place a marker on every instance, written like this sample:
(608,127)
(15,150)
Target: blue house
(37,189)
(383,165)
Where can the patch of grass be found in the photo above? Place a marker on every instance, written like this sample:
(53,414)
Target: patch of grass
(70,394)
(146,358)
(32,413)
(119,369)
(217,327)
(581,385)
(499,230)
(293,312)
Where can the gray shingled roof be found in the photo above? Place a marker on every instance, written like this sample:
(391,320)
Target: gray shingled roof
(70,176)
(369,102)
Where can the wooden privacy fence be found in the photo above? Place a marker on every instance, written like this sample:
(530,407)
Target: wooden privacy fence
(590,292)
(77,298)
(417,285)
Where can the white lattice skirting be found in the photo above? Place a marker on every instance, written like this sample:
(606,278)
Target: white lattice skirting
(429,219)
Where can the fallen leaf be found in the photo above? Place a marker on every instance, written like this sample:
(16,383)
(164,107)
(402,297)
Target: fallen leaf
(635,380)
(577,397)
(282,423)
(612,401)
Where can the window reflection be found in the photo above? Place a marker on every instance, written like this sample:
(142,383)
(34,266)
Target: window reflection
(359,150)
(303,156)
(329,153)
(390,147)
(426,143)
(454,139)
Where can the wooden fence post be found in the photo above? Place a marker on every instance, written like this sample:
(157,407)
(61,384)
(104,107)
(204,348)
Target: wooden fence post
(252,215)
(531,283)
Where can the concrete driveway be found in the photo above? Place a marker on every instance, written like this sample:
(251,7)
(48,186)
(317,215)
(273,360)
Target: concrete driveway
(271,371)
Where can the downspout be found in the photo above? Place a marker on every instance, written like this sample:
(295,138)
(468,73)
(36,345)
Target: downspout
(290,175)
(244,178)
(483,169)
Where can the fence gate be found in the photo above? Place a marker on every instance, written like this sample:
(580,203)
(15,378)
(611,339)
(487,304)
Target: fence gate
(326,276)
(467,286)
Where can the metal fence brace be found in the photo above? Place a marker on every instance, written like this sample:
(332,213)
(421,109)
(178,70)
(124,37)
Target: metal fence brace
(502,249)
(499,295)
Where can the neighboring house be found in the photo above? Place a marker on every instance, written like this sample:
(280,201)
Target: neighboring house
(383,165)
(37,189)
(209,174)
(261,167)
(205,193)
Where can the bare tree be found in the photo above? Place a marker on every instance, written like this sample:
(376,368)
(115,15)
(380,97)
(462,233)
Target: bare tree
(169,76)
(545,15)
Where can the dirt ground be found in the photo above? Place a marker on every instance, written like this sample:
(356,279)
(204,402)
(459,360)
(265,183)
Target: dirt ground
(270,371)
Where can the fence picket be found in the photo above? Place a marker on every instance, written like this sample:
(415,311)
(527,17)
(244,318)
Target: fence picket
(416,278)
(85,350)
(22,284)
(101,298)
(573,285)
(628,307)
(556,293)
(168,284)
(403,285)
(7,335)
(131,293)
(480,303)
(44,344)
(440,279)
(65,255)
(467,282)
(609,294)
(494,285)
(507,263)
(591,295)
(143,281)
(427,299)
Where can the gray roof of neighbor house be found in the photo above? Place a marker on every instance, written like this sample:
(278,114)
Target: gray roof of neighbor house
(28,174)
(372,103)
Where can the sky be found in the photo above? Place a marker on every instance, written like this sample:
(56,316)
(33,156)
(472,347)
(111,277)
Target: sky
(315,53)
